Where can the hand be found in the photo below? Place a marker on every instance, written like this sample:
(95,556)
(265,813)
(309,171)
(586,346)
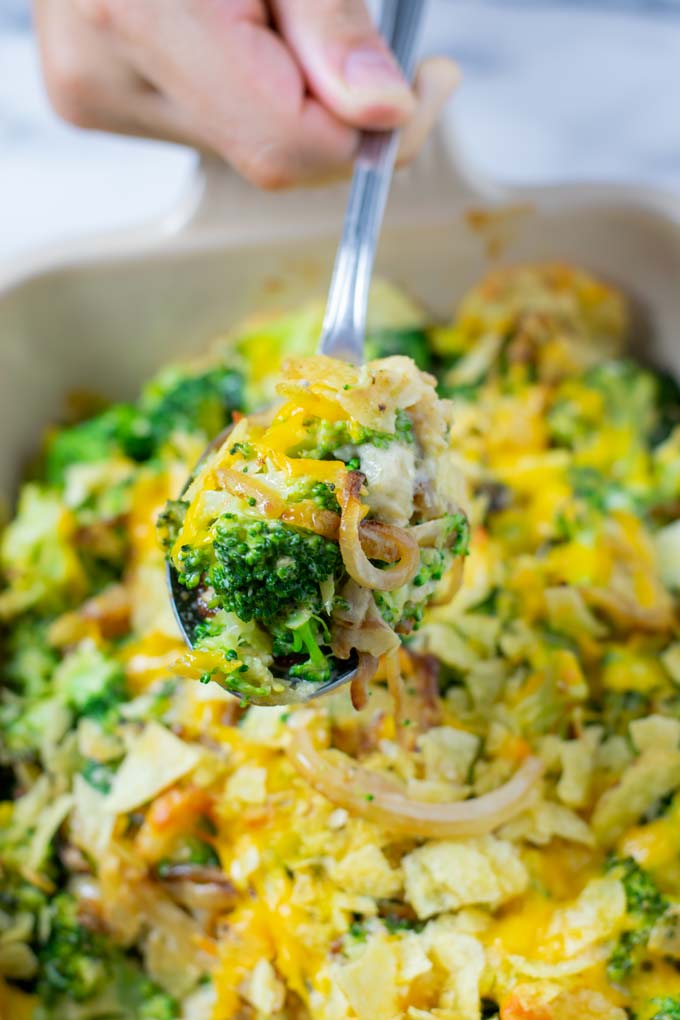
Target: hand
(279,89)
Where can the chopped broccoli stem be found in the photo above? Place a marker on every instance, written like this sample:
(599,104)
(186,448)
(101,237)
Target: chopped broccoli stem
(317,668)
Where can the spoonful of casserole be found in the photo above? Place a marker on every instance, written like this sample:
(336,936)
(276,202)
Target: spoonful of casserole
(311,539)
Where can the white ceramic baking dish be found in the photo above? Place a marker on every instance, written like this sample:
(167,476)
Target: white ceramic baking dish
(103,313)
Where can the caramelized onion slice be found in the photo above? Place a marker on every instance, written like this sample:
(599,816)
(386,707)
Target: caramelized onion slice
(377,799)
(267,502)
(383,540)
(368,664)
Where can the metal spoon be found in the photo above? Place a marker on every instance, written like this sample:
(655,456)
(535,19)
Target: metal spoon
(344,324)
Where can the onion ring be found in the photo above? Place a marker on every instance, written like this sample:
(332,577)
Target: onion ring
(359,686)
(395,685)
(357,563)
(237,483)
(379,800)
(450,583)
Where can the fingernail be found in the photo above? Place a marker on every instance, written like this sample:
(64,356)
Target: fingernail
(373,70)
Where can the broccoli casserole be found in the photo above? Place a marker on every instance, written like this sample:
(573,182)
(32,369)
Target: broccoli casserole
(495,835)
(318,529)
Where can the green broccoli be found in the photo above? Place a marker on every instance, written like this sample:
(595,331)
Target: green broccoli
(28,658)
(41,691)
(630,394)
(260,569)
(41,568)
(382,343)
(667,1008)
(169,522)
(74,961)
(24,724)
(119,430)
(84,976)
(321,493)
(305,639)
(645,904)
(324,438)
(139,997)
(404,607)
(89,682)
(174,402)
(602,494)
(267,572)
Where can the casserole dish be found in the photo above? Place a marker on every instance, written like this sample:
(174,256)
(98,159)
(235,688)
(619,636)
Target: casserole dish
(271,849)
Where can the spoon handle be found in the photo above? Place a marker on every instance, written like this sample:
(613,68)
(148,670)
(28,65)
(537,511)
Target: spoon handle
(344,323)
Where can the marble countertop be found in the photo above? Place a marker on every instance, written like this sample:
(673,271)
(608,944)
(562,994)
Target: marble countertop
(552,91)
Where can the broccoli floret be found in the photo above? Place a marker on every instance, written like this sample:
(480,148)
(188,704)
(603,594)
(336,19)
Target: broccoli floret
(80,966)
(89,682)
(170,521)
(600,493)
(120,429)
(193,563)
(667,1008)
(325,437)
(41,567)
(321,493)
(645,904)
(29,659)
(139,997)
(24,724)
(383,343)
(42,690)
(630,392)
(74,961)
(196,403)
(304,639)
(172,403)
(264,568)
(403,608)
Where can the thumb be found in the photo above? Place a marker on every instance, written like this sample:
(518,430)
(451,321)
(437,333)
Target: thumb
(347,64)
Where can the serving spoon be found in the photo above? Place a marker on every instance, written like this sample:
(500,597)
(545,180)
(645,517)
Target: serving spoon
(344,324)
